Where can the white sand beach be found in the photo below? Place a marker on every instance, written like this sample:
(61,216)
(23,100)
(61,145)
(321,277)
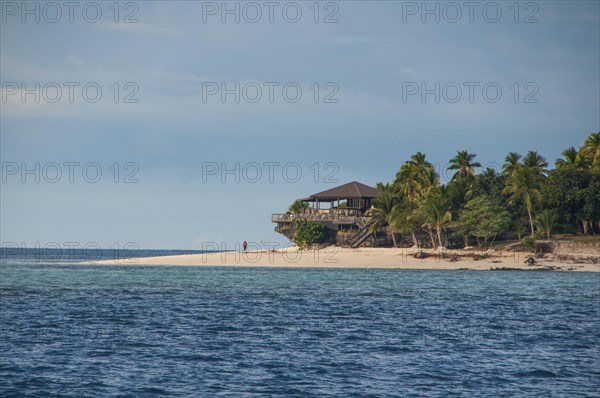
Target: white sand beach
(388,258)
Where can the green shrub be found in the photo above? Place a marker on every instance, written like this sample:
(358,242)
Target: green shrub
(308,232)
(528,242)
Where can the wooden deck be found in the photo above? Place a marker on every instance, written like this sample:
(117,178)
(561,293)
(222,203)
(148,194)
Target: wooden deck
(335,217)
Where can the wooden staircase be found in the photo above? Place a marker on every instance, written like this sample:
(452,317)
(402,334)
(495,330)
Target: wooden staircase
(363,234)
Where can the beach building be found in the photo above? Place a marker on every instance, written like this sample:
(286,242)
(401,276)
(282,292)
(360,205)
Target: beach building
(341,210)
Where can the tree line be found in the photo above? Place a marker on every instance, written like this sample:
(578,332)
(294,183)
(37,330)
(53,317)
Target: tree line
(523,200)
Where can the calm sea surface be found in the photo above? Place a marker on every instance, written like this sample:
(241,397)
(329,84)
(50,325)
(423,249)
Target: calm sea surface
(131,331)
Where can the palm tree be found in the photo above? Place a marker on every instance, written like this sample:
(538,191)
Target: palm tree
(420,164)
(591,149)
(459,192)
(519,226)
(407,219)
(297,207)
(464,165)
(512,162)
(571,158)
(535,162)
(383,213)
(545,222)
(380,186)
(488,173)
(415,178)
(436,211)
(524,185)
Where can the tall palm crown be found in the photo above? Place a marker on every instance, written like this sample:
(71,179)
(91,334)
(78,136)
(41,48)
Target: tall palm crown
(512,162)
(571,158)
(488,172)
(464,165)
(535,162)
(415,178)
(381,187)
(591,149)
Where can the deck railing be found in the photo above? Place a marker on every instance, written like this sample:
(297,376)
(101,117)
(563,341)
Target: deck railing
(338,218)
(338,211)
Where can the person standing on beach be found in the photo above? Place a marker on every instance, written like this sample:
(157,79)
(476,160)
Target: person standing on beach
(245,245)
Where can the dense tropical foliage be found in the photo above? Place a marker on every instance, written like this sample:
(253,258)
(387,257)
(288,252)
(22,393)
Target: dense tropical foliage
(308,233)
(524,199)
(297,207)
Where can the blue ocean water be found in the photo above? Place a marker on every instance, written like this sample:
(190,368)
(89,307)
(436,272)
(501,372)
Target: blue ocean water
(133,331)
(70,253)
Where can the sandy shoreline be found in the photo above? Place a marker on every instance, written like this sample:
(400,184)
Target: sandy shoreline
(386,258)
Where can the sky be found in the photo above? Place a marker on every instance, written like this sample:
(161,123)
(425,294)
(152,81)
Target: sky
(185,124)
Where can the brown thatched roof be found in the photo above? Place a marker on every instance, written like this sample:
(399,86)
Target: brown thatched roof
(352,190)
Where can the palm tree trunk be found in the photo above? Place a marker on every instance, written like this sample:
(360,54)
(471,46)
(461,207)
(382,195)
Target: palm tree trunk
(431,236)
(414,238)
(530,220)
(394,239)
(439,235)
